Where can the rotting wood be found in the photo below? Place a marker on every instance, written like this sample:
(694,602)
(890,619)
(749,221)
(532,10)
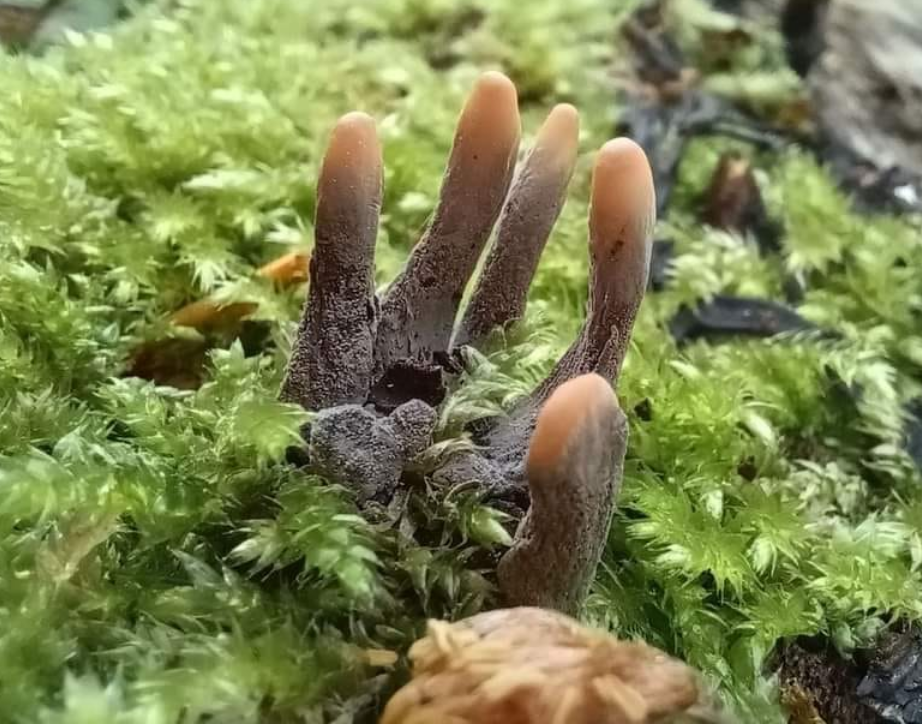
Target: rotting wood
(892,684)
(866,91)
(732,317)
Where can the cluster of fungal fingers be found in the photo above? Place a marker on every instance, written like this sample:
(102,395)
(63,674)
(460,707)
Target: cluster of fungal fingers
(533,666)
(375,370)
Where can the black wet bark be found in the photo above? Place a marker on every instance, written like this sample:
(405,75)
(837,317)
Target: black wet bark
(728,316)
(661,263)
(892,686)
(914,431)
(829,681)
(879,685)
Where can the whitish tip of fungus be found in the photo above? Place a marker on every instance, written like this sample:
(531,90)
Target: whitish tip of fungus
(575,403)
(623,206)
(489,126)
(558,137)
(352,168)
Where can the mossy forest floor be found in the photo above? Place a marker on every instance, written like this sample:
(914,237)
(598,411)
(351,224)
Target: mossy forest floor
(161,562)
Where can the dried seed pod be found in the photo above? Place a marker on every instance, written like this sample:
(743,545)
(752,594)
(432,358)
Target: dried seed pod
(532,666)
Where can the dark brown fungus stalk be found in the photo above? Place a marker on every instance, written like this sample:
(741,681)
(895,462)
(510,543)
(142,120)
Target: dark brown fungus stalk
(621,220)
(331,362)
(622,217)
(573,469)
(534,204)
(418,311)
(533,666)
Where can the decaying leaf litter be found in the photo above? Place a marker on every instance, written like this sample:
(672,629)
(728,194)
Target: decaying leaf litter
(744,513)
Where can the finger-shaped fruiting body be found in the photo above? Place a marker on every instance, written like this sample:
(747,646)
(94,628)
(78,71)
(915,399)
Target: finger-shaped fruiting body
(534,203)
(418,312)
(331,362)
(621,221)
(573,468)
(532,666)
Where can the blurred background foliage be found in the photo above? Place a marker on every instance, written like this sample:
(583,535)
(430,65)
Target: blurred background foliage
(160,561)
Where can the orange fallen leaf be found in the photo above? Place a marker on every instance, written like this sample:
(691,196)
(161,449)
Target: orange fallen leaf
(180,362)
(286,271)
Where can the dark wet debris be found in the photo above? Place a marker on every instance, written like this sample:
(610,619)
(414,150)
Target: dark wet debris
(729,316)
(892,685)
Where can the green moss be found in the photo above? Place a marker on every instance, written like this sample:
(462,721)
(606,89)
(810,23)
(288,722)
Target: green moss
(159,561)
(741,59)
